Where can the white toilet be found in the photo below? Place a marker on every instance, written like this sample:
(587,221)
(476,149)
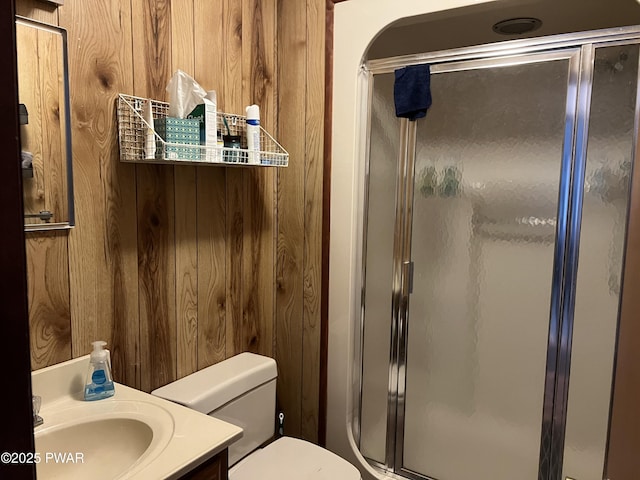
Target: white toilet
(242,390)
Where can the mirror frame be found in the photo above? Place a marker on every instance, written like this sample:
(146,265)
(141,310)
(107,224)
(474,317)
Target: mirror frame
(67,125)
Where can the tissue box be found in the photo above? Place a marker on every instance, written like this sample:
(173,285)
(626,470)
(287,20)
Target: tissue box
(206,115)
(183,131)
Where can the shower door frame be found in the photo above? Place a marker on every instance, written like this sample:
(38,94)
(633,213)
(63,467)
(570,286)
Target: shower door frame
(582,47)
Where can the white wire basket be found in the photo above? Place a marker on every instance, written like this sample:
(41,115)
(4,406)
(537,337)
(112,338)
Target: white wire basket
(132,130)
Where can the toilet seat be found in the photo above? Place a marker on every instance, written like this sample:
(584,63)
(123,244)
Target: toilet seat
(293,459)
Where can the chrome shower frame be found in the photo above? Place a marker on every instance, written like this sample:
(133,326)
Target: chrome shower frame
(579,49)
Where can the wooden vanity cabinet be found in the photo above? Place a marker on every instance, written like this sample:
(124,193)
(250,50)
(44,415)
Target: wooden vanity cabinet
(213,469)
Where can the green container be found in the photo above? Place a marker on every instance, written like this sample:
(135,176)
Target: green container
(182,132)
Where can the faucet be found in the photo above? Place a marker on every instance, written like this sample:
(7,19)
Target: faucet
(37,419)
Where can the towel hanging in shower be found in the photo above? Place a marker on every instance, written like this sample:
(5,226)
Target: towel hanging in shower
(412,91)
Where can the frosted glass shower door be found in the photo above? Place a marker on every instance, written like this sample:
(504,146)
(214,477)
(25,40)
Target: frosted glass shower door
(491,172)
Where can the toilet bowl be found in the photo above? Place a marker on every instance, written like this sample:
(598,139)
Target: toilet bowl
(242,390)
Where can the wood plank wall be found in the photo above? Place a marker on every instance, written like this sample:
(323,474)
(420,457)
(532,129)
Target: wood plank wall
(180,267)
(623,461)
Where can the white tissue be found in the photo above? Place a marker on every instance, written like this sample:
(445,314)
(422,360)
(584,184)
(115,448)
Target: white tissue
(184,94)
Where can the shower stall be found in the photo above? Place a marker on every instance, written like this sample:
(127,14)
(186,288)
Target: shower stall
(490,252)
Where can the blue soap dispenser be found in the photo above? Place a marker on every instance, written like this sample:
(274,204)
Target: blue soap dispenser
(99,382)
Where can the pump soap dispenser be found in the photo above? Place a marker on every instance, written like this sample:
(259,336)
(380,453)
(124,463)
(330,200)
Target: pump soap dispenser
(99,382)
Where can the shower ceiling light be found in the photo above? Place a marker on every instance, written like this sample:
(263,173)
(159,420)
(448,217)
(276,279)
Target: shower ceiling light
(517,26)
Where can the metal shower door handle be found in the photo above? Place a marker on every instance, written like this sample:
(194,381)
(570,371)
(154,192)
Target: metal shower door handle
(407,278)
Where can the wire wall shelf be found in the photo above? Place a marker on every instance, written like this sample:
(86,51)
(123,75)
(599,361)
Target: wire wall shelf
(133,130)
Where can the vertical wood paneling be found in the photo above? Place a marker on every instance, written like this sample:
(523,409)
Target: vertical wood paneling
(211,193)
(290,256)
(314,134)
(151,47)
(55,178)
(231,102)
(155,205)
(59,111)
(623,461)
(212,255)
(31,135)
(49,315)
(44,12)
(156,270)
(181,267)
(326,210)
(182,41)
(259,71)
(102,247)
(186,270)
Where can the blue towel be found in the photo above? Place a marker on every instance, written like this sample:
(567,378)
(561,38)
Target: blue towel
(412,91)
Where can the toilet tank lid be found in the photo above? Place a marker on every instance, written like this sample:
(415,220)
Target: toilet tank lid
(210,388)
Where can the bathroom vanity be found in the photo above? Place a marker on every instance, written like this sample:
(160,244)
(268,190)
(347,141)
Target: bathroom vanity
(213,469)
(148,436)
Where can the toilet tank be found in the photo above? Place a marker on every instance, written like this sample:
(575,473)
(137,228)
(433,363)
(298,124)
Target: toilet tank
(240,390)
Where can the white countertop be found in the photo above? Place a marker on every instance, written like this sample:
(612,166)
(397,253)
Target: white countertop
(183,438)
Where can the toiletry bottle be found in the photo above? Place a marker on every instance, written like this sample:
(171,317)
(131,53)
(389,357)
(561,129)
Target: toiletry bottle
(211,125)
(150,139)
(219,150)
(253,134)
(99,383)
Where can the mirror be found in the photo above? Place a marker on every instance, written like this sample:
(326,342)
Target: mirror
(45,127)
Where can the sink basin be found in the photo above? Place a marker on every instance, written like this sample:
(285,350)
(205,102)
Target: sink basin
(130,436)
(88,442)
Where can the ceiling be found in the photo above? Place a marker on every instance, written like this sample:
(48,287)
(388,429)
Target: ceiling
(472,25)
